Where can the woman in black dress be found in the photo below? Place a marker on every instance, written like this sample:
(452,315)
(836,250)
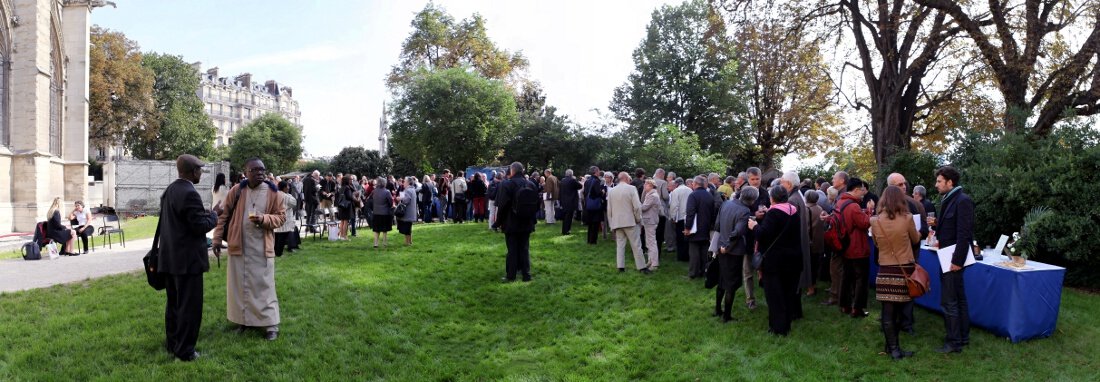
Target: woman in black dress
(58,232)
(777,237)
(382,202)
(345,200)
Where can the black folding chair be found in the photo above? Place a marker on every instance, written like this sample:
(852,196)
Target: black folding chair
(112,226)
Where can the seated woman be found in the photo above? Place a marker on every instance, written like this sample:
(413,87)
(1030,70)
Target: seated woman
(79,220)
(58,232)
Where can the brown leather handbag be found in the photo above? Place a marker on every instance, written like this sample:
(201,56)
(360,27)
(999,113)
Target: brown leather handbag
(917,281)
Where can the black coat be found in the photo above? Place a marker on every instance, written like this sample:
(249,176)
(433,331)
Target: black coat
(57,231)
(477,189)
(782,229)
(309,188)
(955,225)
(328,189)
(569,187)
(505,198)
(184,222)
(700,204)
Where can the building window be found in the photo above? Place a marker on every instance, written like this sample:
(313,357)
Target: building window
(55,104)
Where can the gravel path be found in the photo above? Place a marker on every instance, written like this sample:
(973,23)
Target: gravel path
(18,274)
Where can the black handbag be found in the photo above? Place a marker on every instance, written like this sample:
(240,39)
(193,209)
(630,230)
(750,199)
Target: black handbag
(156,279)
(714,273)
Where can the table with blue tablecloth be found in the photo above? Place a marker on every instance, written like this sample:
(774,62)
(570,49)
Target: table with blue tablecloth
(1020,304)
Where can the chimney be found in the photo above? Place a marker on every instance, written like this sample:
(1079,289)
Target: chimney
(245,80)
(212,72)
(272,87)
(197,65)
(289,92)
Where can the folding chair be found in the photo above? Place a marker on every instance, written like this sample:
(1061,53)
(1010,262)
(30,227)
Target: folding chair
(107,229)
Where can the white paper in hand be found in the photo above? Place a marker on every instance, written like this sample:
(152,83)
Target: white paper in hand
(945,255)
(694,225)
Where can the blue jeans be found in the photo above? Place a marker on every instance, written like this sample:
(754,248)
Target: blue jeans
(956,313)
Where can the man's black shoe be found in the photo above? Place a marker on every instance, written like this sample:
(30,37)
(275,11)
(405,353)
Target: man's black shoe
(271,335)
(527,278)
(190,357)
(645,271)
(949,349)
(621,270)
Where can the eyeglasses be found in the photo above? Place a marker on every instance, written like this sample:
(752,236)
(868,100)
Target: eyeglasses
(260,170)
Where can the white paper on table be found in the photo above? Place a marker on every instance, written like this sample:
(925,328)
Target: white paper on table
(694,225)
(916,222)
(945,255)
(999,249)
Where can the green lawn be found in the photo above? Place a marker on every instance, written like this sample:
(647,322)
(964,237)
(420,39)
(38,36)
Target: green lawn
(135,228)
(438,311)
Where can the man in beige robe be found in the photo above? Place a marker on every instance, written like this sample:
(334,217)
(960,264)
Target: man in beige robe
(254,211)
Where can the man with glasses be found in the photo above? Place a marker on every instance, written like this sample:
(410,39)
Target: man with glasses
(253,211)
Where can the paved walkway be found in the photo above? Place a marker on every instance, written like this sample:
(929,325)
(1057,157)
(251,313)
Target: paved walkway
(18,274)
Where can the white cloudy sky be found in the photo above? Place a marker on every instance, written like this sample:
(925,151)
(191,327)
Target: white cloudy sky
(336,53)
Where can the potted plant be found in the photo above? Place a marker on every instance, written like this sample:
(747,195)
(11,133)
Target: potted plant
(1025,243)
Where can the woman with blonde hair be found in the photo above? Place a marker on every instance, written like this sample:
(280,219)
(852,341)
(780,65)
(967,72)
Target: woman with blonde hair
(58,232)
(894,233)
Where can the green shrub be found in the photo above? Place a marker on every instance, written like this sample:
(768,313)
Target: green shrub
(919,168)
(1008,175)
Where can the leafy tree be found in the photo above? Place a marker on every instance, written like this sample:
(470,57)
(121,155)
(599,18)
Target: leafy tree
(271,138)
(360,161)
(452,118)
(678,150)
(438,41)
(789,92)
(401,166)
(1031,60)
(685,75)
(120,88)
(178,124)
(320,165)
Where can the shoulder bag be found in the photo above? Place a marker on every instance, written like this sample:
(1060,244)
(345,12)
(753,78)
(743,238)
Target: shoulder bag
(918,281)
(152,258)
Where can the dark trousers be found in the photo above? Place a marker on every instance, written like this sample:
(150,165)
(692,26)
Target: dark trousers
(426,211)
(567,220)
(781,293)
(311,214)
(698,258)
(853,287)
(661,233)
(352,217)
(593,230)
(681,243)
(836,275)
(460,211)
(956,313)
(723,298)
(519,255)
(281,241)
(183,313)
(85,231)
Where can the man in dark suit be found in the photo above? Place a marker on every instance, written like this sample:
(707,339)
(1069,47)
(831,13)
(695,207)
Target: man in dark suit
(569,189)
(517,230)
(184,222)
(700,218)
(954,225)
(309,188)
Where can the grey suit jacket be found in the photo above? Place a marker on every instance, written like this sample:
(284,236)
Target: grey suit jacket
(733,223)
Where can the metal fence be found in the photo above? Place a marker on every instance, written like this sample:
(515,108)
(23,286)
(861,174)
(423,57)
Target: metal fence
(133,187)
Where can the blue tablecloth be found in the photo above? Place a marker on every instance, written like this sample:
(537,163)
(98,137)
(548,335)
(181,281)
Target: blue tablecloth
(1018,304)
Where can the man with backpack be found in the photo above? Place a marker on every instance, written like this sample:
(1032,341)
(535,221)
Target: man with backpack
(517,203)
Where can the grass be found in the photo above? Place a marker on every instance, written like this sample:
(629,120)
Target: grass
(438,312)
(135,228)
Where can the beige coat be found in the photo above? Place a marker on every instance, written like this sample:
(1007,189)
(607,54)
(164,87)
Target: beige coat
(651,208)
(623,207)
(894,238)
(551,187)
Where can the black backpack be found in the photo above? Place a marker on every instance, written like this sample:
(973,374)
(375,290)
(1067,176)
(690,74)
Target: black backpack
(526,201)
(31,251)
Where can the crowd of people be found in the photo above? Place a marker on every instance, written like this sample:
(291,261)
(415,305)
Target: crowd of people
(738,231)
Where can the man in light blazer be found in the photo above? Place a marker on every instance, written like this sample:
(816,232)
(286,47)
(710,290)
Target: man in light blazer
(624,214)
